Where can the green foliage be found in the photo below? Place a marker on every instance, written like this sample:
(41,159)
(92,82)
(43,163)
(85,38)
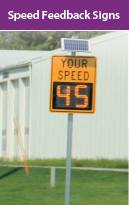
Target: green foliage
(10,40)
(99,163)
(40,40)
(87,187)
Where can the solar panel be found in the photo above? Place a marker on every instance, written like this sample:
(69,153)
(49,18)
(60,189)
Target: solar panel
(75,45)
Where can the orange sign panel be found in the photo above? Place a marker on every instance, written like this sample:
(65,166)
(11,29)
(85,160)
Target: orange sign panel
(73,84)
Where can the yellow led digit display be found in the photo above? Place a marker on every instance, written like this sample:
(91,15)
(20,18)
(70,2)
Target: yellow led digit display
(81,96)
(73,84)
(67,95)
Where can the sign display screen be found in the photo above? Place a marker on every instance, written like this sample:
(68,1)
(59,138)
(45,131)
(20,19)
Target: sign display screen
(73,84)
(72,96)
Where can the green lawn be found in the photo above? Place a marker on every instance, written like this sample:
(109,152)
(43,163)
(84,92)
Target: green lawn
(99,163)
(87,187)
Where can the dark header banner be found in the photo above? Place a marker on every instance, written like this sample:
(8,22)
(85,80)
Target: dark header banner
(64,15)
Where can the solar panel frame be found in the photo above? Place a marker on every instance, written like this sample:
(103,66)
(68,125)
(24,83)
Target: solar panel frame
(77,45)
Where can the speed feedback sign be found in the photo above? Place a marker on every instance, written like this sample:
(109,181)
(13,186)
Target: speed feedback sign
(73,84)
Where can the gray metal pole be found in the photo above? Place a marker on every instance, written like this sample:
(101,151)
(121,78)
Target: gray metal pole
(53,177)
(68,164)
(69,150)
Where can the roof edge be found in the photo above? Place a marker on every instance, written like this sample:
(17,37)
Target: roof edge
(15,66)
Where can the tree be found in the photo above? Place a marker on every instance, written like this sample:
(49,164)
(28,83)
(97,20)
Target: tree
(40,40)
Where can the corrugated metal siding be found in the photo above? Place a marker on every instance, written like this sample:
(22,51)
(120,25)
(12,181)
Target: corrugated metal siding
(4,120)
(16,115)
(14,103)
(48,131)
(27,114)
(102,135)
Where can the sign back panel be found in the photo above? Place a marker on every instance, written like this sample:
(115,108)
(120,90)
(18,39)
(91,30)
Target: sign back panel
(73,84)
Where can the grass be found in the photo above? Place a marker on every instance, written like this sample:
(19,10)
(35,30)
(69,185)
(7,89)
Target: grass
(99,163)
(87,187)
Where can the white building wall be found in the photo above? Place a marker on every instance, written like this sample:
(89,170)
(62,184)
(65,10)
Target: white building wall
(26,120)
(13,97)
(106,131)
(101,135)
(14,73)
(48,131)
(1,96)
(4,120)
(15,84)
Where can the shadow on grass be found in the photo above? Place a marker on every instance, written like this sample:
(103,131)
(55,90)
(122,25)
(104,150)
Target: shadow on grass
(10,172)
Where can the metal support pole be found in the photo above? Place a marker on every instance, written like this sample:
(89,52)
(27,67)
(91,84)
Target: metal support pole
(69,149)
(53,177)
(68,163)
